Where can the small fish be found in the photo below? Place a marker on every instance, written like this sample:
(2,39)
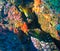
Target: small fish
(25,10)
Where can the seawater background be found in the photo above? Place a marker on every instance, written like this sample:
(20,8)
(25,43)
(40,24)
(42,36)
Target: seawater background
(54,5)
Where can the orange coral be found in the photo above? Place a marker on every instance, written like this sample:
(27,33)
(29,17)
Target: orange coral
(24,28)
(37,2)
(36,7)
